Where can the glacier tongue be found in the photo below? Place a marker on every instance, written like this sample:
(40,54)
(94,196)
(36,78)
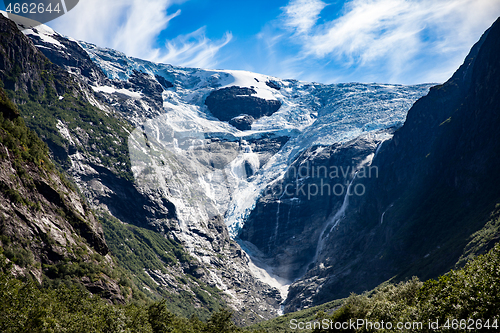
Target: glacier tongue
(193,169)
(207,167)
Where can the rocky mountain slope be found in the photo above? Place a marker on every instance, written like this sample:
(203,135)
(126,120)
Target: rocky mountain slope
(192,170)
(437,185)
(251,183)
(46,230)
(88,136)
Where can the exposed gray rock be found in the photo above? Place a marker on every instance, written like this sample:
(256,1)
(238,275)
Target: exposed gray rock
(218,261)
(164,82)
(226,103)
(284,229)
(70,56)
(242,122)
(273,84)
(44,223)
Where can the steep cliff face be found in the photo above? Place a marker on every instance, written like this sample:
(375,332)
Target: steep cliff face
(86,120)
(46,229)
(437,185)
(284,230)
(87,142)
(208,168)
(297,171)
(228,103)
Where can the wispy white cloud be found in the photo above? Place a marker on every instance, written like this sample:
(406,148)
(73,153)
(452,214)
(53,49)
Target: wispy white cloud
(392,34)
(133,27)
(192,50)
(302,15)
(399,41)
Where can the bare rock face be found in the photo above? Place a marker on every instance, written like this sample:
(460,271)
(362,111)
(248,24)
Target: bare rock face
(227,103)
(164,82)
(91,145)
(273,84)
(309,228)
(12,45)
(437,185)
(44,223)
(314,188)
(59,210)
(243,122)
(74,58)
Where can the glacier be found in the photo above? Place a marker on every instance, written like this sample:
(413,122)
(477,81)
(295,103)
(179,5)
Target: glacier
(206,168)
(312,114)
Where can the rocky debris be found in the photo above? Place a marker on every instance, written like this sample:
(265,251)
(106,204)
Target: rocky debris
(223,264)
(242,122)
(291,226)
(273,84)
(218,261)
(226,103)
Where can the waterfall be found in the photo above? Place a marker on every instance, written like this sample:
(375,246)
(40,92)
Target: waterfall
(276,229)
(335,220)
(277,222)
(378,149)
(385,211)
(382,217)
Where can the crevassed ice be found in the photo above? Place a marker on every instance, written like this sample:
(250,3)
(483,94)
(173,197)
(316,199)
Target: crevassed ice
(178,153)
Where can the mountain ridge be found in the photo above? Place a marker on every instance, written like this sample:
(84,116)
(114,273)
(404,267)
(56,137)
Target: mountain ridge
(47,231)
(88,138)
(147,151)
(436,186)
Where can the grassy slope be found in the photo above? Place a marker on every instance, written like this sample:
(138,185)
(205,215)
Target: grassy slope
(137,249)
(470,292)
(107,142)
(282,323)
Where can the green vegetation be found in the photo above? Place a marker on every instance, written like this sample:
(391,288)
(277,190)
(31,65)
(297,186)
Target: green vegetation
(463,300)
(23,144)
(282,324)
(103,138)
(24,307)
(468,297)
(28,155)
(102,135)
(138,249)
(484,239)
(19,255)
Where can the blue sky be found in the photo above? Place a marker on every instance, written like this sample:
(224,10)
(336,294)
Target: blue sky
(385,41)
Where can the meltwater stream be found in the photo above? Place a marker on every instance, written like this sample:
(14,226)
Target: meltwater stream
(187,135)
(334,221)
